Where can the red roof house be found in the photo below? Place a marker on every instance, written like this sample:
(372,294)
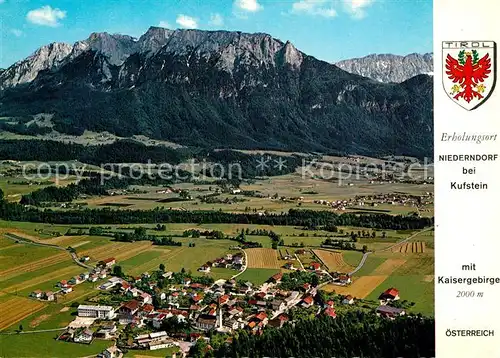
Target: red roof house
(277,277)
(314,266)
(391,294)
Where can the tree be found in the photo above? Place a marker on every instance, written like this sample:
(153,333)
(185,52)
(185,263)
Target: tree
(21,328)
(365,248)
(162,267)
(140,232)
(1,195)
(117,271)
(314,280)
(184,194)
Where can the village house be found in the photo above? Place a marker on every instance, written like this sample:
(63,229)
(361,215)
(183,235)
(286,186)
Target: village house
(128,310)
(389,295)
(344,279)
(258,321)
(154,341)
(84,336)
(108,262)
(111,352)
(223,300)
(278,305)
(67,289)
(348,300)
(62,283)
(307,302)
(158,320)
(314,266)
(276,278)
(238,259)
(49,296)
(75,280)
(107,330)
(205,268)
(206,322)
(36,294)
(306,287)
(390,312)
(168,275)
(232,324)
(330,312)
(84,276)
(279,321)
(145,298)
(234,311)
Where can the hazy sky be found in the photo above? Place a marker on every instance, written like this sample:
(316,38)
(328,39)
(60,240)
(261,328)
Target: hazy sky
(330,30)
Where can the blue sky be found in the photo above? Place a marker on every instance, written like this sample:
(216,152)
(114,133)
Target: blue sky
(330,30)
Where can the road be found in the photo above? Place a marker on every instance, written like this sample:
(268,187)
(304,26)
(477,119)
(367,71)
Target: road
(73,255)
(300,262)
(244,266)
(32,332)
(365,255)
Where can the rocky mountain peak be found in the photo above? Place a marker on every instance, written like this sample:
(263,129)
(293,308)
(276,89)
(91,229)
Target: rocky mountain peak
(154,39)
(292,56)
(116,47)
(230,47)
(388,67)
(46,57)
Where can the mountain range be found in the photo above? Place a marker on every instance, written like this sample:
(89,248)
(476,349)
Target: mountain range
(218,89)
(390,68)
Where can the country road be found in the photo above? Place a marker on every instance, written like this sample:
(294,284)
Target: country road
(244,267)
(34,332)
(74,257)
(365,255)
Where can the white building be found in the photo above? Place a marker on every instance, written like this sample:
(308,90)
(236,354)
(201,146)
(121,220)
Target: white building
(101,312)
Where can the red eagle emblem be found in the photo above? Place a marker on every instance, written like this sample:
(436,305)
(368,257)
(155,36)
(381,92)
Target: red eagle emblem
(468,72)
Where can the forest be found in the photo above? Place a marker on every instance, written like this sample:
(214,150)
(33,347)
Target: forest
(130,151)
(307,218)
(351,334)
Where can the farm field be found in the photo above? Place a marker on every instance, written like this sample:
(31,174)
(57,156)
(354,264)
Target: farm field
(360,288)
(389,266)
(333,260)
(257,275)
(18,255)
(371,263)
(16,309)
(412,247)
(44,345)
(166,352)
(262,258)
(413,288)
(427,237)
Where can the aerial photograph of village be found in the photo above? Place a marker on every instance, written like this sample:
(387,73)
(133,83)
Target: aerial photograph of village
(240,178)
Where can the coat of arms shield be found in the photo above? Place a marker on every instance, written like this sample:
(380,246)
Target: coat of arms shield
(469,71)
